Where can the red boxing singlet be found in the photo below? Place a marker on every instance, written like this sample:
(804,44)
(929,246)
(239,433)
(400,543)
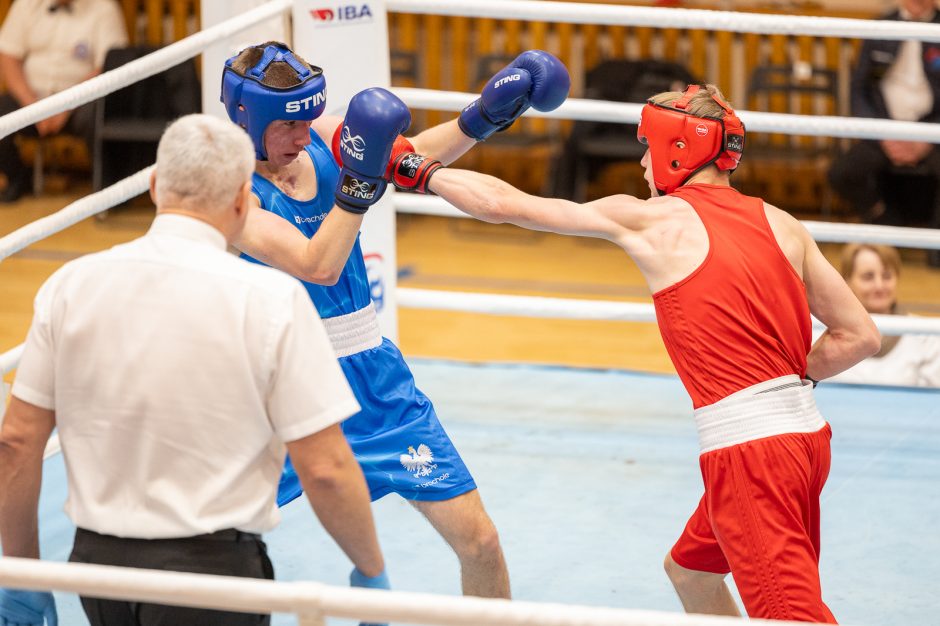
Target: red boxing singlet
(741,317)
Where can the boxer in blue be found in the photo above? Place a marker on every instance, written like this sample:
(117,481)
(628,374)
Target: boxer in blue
(306,223)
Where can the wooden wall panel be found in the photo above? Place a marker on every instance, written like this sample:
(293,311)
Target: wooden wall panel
(724,58)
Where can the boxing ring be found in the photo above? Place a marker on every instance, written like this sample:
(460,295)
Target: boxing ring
(587,498)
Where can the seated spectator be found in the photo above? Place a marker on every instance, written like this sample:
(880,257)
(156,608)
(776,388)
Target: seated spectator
(47,46)
(872,272)
(900,81)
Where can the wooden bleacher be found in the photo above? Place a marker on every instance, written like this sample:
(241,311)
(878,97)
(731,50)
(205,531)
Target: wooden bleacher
(439,52)
(446,47)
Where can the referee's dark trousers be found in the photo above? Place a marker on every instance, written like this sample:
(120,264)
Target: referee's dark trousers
(226,552)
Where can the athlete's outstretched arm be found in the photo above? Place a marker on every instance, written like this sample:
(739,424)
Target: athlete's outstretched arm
(616,218)
(850,334)
(276,242)
(444,142)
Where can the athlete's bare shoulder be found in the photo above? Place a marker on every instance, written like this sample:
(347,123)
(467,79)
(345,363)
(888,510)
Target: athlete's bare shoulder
(791,235)
(634,214)
(780,219)
(667,202)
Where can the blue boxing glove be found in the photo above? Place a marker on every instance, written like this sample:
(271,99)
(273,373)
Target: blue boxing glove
(374,120)
(534,78)
(358,579)
(27,608)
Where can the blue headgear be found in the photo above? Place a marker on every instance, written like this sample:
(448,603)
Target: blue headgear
(253,105)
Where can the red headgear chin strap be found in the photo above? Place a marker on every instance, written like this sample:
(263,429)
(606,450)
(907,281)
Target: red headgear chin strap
(682,144)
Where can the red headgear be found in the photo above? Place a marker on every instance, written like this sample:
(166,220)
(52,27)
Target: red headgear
(681,144)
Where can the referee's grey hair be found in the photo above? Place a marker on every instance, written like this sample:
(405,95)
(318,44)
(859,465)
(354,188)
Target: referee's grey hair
(202,162)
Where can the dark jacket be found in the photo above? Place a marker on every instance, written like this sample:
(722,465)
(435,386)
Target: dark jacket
(874,60)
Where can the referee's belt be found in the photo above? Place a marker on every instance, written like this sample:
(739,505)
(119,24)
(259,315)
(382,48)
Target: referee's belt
(227,534)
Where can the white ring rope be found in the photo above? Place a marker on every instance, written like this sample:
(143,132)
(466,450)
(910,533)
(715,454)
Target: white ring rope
(75,212)
(563,308)
(755,121)
(320,600)
(900,236)
(698,19)
(830,232)
(8,362)
(141,68)
(600,310)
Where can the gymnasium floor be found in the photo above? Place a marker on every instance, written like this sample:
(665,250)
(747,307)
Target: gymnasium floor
(590,476)
(589,473)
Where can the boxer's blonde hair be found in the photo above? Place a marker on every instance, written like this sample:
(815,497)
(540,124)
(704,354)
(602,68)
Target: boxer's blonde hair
(702,104)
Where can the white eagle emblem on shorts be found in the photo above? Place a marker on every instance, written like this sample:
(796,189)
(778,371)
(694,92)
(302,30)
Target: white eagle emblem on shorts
(421,462)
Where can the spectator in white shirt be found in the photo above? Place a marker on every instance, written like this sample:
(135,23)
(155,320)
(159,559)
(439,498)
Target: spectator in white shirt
(47,46)
(872,272)
(178,376)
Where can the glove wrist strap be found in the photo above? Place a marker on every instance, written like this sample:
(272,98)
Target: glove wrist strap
(351,208)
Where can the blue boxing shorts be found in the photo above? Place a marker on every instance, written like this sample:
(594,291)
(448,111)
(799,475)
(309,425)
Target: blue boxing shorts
(396,436)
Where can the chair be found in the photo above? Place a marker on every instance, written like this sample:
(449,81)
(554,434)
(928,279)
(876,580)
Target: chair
(130,121)
(795,82)
(592,146)
(64,149)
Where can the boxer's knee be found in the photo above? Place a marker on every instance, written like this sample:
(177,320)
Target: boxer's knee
(688,579)
(481,544)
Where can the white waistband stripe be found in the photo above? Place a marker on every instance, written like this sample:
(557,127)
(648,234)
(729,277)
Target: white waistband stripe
(771,408)
(354,332)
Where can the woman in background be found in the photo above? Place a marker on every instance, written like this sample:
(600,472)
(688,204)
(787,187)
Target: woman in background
(872,271)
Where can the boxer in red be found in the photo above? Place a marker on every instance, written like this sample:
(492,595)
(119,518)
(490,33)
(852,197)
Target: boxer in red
(734,281)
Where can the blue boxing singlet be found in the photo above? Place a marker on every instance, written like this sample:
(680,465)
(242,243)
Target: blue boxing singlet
(396,436)
(351,291)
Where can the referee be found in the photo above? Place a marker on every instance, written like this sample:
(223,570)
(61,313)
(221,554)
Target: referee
(178,376)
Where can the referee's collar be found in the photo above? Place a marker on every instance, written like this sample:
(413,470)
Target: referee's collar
(187,227)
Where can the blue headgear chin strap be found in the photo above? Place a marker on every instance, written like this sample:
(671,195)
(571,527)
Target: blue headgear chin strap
(253,106)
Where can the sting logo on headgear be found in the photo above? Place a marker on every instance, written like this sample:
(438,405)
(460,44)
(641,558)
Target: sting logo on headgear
(253,105)
(682,144)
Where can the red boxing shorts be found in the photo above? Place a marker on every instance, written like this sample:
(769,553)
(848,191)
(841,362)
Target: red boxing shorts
(759,517)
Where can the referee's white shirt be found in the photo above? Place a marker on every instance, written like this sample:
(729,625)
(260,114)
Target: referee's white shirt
(176,371)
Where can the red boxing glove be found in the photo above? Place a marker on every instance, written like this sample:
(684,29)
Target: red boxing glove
(401,146)
(412,172)
(337,138)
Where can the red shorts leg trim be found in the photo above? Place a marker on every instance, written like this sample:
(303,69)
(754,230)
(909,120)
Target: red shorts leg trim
(763,502)
(697,548)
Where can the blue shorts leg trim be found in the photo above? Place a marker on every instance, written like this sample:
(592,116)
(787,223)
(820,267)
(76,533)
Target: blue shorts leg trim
(396,437)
